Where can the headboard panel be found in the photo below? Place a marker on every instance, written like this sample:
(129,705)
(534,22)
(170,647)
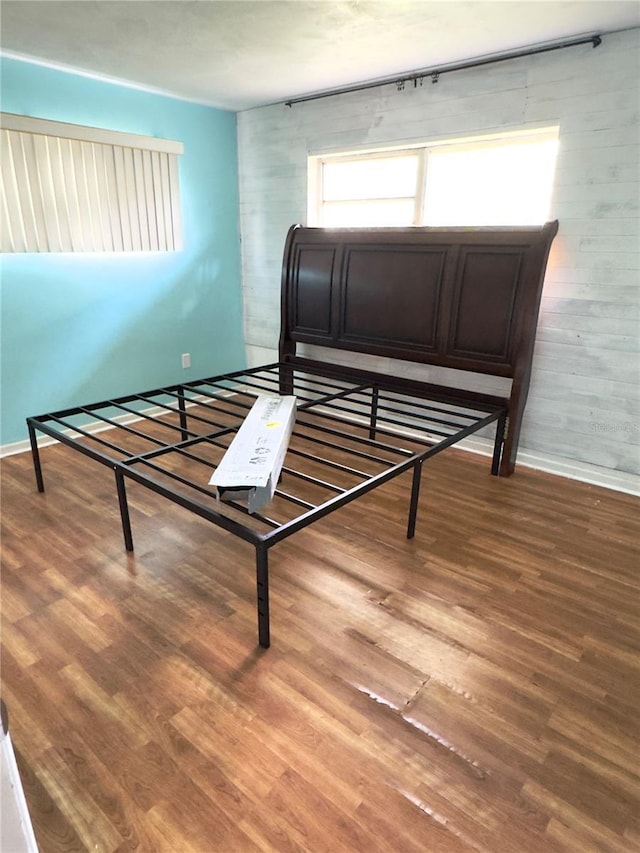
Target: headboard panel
(462,298)
(465,298)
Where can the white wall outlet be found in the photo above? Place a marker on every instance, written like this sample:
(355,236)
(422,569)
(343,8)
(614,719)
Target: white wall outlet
(186,359)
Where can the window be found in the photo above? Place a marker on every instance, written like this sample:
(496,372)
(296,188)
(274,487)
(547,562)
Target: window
(67,188)
(504,180)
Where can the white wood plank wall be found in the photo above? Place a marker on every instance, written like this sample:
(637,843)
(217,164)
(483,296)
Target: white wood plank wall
(584,403)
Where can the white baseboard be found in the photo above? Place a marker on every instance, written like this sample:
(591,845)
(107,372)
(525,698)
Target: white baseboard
(96,426)
(92,427)
(620,481)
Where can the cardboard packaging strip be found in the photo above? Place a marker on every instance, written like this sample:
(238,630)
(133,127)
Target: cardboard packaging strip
(250,468)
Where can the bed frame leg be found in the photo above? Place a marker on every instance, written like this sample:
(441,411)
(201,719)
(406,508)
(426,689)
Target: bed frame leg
(183,414)
(501,434)
(35,453)
(374,413)
(262,577)
(124,510)
(415,494)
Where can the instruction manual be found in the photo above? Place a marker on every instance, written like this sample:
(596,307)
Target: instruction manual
(251,466)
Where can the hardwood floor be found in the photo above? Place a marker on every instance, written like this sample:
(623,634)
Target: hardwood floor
(474,689)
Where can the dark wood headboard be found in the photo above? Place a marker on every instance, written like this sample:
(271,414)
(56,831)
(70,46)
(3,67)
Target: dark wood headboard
(462,298)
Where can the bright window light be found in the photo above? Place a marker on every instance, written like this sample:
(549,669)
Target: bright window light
(504,184)
(379,177)
(368,214)
(369,191)
(504,180)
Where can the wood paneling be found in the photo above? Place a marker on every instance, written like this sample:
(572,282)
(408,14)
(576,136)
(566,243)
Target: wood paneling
(473,689)
(591,285)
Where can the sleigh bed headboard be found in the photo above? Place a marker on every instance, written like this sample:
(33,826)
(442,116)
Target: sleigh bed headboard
(462,298)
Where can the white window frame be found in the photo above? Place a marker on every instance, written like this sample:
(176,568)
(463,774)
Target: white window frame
(71,188)
(316,162)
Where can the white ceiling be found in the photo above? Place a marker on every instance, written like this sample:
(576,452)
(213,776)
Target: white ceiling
(245,53)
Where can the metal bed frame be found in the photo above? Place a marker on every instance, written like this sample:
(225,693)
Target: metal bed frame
(465,298)
(346,442)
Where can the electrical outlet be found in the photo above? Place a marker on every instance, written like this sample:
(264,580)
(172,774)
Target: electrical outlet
(186,359)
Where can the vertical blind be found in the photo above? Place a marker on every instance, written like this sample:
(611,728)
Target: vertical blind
(68,188)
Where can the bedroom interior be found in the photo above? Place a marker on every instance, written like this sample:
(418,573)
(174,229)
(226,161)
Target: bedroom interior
(469,687)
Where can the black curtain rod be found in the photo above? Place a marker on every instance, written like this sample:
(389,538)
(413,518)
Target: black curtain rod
(435,72)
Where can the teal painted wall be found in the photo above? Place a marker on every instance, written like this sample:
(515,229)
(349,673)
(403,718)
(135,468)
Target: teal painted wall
(85,327)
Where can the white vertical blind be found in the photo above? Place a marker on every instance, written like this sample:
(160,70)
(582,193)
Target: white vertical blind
(67,188)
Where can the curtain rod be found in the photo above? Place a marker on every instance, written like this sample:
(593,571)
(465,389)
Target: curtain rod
(435,72)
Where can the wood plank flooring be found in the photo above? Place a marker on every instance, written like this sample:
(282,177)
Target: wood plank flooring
(474,689)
